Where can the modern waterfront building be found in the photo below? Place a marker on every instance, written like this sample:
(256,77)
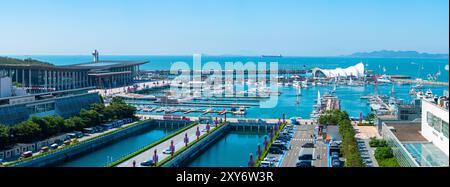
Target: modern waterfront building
(421,143)
(14,110)
(39,78)
(352,71)
(8,90)
(435,123)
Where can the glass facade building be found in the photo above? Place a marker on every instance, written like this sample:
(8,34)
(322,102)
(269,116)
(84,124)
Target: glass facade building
(414,154)
(38,78)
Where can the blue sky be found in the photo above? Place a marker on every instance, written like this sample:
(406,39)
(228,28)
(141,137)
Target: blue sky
(220,27)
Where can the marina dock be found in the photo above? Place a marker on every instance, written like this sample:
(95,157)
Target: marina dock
(178,142)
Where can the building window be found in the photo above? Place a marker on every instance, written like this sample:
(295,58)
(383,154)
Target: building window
(430,119)
(437,123)
(445,128)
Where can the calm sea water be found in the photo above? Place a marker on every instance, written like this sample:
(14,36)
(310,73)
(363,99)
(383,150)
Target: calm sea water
(416,68)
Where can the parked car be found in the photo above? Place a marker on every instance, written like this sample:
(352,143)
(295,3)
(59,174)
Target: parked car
(275,150)
(45,149)
(265,164)
(54,146)
(284,138)
(304,164)
(335,157)
(271,159)
(27,154)
(308,145)
(167,151)
(148,163)
(282,146)
(306,154)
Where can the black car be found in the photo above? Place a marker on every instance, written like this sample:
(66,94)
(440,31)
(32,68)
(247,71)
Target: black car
(275,150)
(308,145)
(336,163)
(148,163)
(305,157)
(283,139)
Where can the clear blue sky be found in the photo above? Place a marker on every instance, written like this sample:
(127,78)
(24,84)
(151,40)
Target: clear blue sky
(251,27)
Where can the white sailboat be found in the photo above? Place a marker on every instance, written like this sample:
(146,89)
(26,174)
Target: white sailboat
(350,82)
(334,88)
(319,102)
(299,93)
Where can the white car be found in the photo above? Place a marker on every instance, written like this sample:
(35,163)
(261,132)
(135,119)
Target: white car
(270,159)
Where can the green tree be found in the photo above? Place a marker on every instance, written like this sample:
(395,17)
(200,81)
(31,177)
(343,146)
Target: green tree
(90,117)
(383,153)
(74,123)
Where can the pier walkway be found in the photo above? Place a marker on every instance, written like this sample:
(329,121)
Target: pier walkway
(178,140)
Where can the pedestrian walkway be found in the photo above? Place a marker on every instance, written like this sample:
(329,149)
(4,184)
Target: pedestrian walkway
(162,148)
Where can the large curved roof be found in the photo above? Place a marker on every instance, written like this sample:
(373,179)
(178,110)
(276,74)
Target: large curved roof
(356,71)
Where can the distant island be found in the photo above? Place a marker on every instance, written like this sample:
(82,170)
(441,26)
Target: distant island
(396,54)
(7,60)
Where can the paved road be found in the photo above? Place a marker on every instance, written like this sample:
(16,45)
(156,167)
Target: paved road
(178,143)
(322,151)
(301,136)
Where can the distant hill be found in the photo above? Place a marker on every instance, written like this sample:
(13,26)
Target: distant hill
(7,60)
(397,54)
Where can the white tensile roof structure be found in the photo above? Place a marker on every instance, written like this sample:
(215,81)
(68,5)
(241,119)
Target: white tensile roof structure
(355,71)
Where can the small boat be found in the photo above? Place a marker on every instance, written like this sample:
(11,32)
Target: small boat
(418,86)
(241,111)
(297,84)
(429,93)
(366,97)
